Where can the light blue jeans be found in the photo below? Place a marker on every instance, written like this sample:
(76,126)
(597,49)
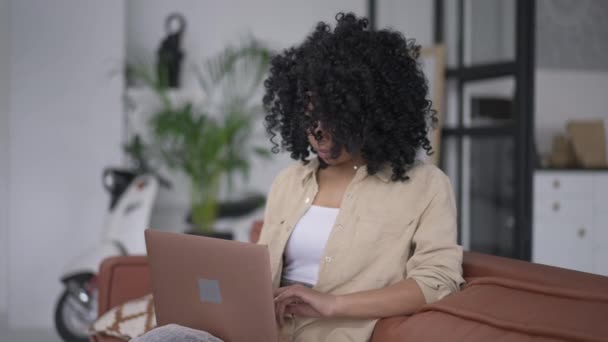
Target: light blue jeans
(176,333)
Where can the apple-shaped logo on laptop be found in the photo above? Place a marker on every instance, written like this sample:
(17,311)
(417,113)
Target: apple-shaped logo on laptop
(209,291)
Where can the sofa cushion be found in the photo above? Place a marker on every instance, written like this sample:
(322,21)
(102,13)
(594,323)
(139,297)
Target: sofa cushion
(128,320)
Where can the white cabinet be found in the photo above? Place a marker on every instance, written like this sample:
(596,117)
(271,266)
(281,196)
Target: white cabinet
(570,224)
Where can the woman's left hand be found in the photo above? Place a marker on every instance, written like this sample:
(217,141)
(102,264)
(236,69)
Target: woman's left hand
(303,301)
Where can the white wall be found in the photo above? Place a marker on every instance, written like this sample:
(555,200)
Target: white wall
(65,126)
(561,95)
(213,24)
(4,140)
(414,18)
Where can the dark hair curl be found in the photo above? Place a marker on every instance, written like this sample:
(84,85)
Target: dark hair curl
(366,88)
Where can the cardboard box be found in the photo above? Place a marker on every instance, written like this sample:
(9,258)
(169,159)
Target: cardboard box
(589,142)
(562,153)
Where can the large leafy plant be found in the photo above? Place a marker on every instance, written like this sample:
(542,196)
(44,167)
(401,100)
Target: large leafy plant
(210,142)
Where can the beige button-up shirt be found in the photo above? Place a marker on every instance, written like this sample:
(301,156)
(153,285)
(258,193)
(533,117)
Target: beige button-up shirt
(385,232)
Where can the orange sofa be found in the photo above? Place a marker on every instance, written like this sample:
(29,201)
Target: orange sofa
(504,299)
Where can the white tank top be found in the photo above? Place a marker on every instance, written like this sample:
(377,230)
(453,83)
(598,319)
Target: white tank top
(306,245)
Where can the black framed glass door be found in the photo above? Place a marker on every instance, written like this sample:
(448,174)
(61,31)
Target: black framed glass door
(487,147)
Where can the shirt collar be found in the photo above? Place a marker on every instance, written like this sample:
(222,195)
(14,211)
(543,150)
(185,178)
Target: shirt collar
(384,174)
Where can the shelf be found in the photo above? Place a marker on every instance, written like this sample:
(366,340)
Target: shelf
(570,170)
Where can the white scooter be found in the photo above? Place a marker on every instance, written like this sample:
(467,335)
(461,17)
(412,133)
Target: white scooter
(132,198)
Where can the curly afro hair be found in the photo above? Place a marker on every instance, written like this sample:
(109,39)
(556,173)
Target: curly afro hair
(365,87)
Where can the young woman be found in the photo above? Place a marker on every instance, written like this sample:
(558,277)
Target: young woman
(357,228)
(362,230)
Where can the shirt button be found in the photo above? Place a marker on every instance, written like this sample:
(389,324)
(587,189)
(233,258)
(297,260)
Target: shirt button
(349,195)
(327,259)
(339,226)
(307,200)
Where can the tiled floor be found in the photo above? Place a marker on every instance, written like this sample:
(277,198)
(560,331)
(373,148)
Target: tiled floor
(30,335)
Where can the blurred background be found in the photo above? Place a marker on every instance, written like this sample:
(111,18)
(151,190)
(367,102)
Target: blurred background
(166,96)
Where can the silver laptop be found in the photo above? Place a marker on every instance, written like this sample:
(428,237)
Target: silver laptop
(219,286)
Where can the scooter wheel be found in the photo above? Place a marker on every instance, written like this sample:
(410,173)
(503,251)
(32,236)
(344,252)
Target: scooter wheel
(72,318)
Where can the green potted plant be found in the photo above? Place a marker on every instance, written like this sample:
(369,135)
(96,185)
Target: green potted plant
(210,142)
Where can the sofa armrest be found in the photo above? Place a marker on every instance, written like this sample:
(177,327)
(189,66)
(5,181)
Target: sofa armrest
(121,279)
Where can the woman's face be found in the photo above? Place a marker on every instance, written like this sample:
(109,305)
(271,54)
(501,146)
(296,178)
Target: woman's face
(324,145)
